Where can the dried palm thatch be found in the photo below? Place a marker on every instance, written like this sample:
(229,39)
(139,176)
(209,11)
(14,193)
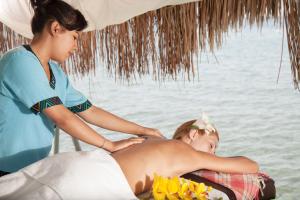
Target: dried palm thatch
(164,42)
(292,21)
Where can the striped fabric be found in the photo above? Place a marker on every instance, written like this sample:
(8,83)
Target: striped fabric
(40,106)
(244,186)
(81,107)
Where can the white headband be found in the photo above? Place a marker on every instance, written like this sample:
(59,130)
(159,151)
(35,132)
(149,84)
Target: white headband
(204,124)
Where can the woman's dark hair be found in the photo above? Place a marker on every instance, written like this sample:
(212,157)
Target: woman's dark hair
(46,11)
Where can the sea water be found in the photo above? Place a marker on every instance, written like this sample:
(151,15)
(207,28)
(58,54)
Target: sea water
(237,88)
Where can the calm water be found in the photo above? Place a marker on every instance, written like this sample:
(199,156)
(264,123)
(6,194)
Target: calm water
(255,116)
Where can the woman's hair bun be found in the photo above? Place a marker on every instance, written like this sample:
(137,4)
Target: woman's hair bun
(55,10)
(40,3)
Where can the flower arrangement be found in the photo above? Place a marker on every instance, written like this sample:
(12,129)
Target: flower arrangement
(178,188)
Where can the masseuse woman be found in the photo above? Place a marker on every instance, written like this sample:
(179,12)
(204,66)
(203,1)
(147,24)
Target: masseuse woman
(36,95)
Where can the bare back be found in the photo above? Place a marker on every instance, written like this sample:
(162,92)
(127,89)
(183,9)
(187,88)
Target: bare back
(170,158)
(140,162)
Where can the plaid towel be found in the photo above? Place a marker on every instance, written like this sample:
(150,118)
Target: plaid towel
(244,186)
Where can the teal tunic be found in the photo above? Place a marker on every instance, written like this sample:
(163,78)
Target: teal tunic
(26,134)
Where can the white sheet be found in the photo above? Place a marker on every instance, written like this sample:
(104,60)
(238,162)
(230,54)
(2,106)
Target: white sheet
(73,175)
(99,13)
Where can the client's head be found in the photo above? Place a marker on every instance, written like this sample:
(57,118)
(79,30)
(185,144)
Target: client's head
(202,136)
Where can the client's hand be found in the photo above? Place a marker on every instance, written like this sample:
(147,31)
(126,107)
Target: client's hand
(121,144)
(152,132)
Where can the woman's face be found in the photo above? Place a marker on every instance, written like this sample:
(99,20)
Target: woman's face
(206,143)
(64,44)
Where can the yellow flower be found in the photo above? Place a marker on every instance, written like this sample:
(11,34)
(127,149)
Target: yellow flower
(178,189)
(172,197)
(173,185)
(159,196)
(155,184)
(183,192)
(202,198)
(201,188)
(160,184)
(201,191)
(193,186)
(159,187)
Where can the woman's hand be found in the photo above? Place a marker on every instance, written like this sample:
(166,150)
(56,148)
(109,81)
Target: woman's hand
(121,144)
(152,132)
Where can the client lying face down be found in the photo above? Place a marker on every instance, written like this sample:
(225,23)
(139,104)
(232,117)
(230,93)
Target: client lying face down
(98,174)
(192,148)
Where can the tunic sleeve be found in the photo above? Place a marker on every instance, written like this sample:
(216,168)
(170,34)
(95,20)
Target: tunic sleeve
(24,80)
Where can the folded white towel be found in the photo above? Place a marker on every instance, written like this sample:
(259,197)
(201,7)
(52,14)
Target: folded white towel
(72,175)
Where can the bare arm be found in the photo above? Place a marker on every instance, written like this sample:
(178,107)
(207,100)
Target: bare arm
(191,160)
(238,164)
(107,120)
(74,126)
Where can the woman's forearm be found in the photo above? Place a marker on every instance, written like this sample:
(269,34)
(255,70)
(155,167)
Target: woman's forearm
(104,119)
(75,127)
(78,129)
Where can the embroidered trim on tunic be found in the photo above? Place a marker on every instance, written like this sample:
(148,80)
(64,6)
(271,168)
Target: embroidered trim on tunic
(52,79)
(40,106)
(81,107)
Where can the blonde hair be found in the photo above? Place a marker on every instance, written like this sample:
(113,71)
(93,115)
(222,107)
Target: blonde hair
(186,127)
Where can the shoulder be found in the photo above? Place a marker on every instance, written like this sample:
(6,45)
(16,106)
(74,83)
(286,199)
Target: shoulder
(17,59)
(17,54)
(176,146)
(178,143)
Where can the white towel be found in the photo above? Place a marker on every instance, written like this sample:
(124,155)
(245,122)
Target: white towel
(68,176)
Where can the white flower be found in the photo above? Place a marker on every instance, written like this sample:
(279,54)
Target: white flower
(204,124)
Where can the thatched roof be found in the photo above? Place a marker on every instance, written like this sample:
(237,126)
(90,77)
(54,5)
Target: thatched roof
(165,41)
